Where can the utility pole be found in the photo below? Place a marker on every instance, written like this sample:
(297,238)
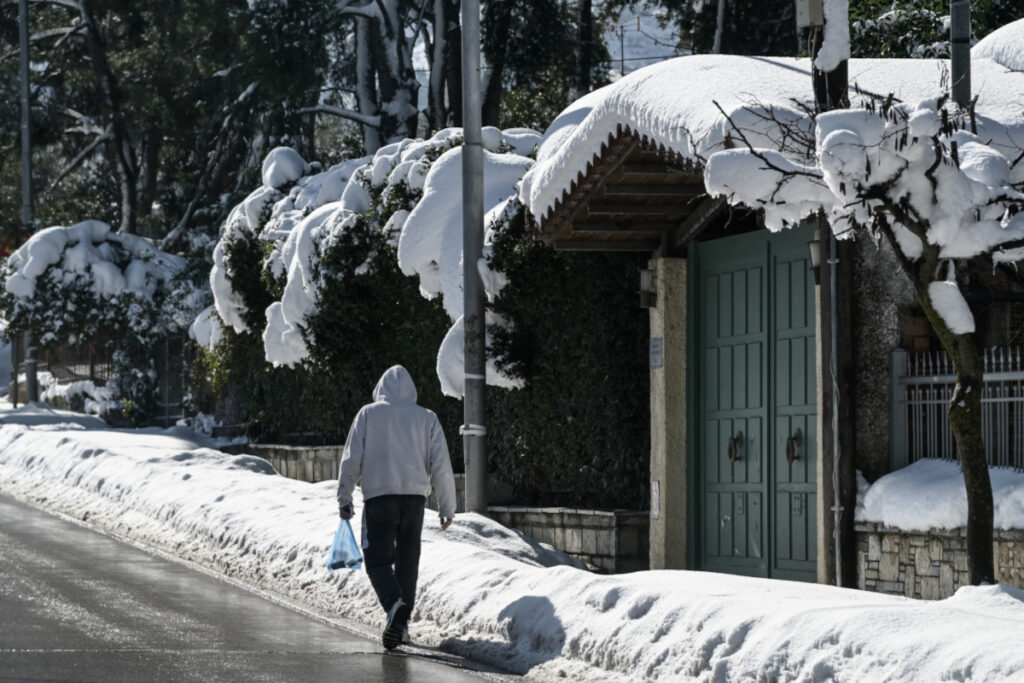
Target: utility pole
(27,218)
(474,428)
(960,50)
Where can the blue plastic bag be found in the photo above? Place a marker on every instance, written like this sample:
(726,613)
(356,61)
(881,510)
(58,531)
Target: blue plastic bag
(345,551)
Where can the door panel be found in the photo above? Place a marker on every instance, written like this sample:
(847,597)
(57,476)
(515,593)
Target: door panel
(733,356)
(756,373)
(794,409)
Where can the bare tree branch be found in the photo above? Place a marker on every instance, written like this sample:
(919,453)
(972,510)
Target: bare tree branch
(350,114)
(69,4)
(62,33)
(79,158)
(759,154)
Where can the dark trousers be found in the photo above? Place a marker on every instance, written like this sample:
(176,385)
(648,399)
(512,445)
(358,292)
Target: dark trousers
(392,526)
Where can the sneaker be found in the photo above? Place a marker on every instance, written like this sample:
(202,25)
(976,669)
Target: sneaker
(397,629)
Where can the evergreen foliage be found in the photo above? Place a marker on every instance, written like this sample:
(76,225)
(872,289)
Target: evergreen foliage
(578,432)
(917,28)
(752,27)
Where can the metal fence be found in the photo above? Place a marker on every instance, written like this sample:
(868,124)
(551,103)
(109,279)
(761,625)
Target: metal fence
(922,385)
(94,362)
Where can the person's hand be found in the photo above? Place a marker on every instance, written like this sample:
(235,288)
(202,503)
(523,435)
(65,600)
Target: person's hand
(346,511)
(446,522)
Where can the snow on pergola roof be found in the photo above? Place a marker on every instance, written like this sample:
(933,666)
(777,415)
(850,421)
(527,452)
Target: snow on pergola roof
(671,108)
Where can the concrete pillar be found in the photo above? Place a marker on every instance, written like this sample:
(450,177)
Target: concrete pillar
(668,415)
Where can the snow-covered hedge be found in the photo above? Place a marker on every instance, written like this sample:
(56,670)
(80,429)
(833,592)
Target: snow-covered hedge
(404,201)
(86,284)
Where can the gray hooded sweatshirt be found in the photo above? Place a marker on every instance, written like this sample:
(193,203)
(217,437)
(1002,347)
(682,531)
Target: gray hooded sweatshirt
(397,447)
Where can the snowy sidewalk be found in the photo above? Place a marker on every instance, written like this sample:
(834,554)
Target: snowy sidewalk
(487,593)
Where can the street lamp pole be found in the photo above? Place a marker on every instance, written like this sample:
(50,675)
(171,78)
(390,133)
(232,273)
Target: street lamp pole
(474,392)
(27,218)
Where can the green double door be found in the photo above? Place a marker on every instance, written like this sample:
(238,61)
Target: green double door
(756,405)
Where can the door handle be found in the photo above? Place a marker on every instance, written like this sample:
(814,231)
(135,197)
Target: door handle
(735,444)
(792,443)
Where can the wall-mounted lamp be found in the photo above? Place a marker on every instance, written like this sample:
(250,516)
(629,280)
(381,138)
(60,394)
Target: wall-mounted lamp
(814,247)
(648,297)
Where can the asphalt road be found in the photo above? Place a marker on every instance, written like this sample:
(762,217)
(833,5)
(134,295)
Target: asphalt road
(77,605)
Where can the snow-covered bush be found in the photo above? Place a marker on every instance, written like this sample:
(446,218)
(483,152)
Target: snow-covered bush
(86,284)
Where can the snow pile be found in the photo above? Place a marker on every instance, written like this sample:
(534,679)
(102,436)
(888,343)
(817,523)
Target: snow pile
(930,494)
(676,105)
(488,593)
(303,216)
(1004,46)
(431,242)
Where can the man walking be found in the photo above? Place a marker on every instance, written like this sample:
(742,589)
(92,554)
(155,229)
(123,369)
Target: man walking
(395,451)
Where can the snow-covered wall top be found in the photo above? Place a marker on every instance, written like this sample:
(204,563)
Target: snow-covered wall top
(1003,46)
(675,104)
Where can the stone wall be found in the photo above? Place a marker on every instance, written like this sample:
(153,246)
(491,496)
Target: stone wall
(931,565)
(616,541)
(305,463)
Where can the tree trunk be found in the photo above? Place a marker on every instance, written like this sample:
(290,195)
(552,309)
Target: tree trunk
(964,405)
(585,28)
(501,25)
(965,420)
(365,83)
(149,173)
(119,148)
(397,86)
(444,52)
(453,71)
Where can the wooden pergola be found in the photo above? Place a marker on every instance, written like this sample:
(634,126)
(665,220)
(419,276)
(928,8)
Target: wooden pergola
(635,196)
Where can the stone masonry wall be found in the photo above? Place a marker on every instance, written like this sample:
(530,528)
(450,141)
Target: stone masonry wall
(931,565)
(607,541)
(305,463)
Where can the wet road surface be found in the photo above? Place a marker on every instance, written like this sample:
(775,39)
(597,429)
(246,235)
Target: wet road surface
(77,605)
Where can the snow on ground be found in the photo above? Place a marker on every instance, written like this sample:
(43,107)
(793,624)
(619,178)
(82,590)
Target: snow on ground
(487,592)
